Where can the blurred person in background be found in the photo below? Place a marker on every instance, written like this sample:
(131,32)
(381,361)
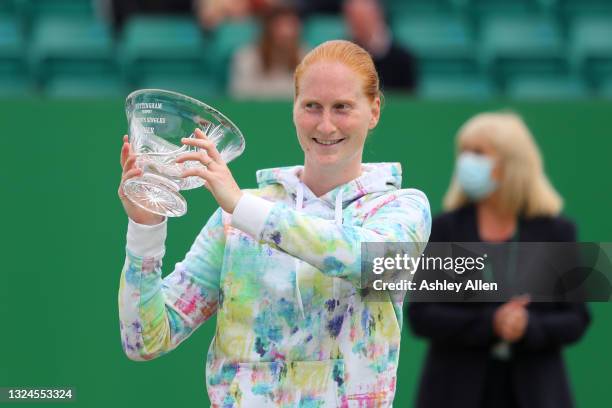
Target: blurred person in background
(491,354)
(211,13)
(367,26)
(264,69)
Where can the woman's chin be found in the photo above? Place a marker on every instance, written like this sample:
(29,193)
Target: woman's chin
(326,160)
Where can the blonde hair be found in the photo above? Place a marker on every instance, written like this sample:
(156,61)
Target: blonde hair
(524,188)
(348,53)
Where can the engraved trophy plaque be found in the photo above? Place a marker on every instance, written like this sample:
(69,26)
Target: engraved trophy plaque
(157,121)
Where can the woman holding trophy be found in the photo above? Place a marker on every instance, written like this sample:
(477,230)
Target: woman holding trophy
(280,265)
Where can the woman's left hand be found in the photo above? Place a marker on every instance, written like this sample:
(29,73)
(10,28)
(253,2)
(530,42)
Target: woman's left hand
(217,176)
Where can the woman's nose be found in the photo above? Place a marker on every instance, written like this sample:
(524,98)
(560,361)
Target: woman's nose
(326,126)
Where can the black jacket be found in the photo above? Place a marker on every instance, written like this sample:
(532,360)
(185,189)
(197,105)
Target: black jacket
(397,69)
(459,370)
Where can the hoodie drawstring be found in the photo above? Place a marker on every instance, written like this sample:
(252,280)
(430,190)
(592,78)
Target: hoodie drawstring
(338,208)
(299,203)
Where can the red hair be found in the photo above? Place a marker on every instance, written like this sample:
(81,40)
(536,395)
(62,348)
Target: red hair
(351,55)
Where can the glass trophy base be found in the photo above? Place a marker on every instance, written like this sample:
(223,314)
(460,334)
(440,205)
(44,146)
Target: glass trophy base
(155,194)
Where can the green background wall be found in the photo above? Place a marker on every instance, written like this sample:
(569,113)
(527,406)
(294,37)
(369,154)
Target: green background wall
(64,228)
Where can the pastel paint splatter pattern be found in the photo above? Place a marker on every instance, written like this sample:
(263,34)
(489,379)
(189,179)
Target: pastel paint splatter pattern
(343,352)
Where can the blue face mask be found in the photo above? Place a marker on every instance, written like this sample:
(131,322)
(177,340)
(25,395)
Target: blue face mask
(474,175)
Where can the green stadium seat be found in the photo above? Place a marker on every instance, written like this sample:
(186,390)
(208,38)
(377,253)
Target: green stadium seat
(549,4)
(30,11)
(11,46)
(162,46)
(605,88)
(14,87)
(547,87)
(71,46)
(196,87)
(521,44)
(590,40)
(396,7)
(44,8)
(321,28)
(480,8)
(227,39)
(442,43)
(579,7)
(7,8)
(462,5)
(456,87)
(14,79)
(501,7)
(85,87)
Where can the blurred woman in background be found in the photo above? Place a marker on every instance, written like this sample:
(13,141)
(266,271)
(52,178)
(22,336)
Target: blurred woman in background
(265,69)
(491,354)
(212,13)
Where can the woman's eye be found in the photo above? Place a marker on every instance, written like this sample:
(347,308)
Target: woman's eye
(475,150)
(311,106)
(342,106)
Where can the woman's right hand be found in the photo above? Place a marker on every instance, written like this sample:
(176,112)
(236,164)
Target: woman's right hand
(128,164)
(511,318)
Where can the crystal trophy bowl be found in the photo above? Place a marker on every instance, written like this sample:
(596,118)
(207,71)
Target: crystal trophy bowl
(157,121)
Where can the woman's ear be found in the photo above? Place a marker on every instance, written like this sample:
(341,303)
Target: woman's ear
(293,110)
(375,110)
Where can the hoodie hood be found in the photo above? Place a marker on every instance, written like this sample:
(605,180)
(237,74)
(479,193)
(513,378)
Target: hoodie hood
(375,178)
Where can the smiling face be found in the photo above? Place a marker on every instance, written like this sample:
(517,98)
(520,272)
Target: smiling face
(332,115)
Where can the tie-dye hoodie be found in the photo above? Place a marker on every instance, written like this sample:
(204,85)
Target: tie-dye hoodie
(283,276)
